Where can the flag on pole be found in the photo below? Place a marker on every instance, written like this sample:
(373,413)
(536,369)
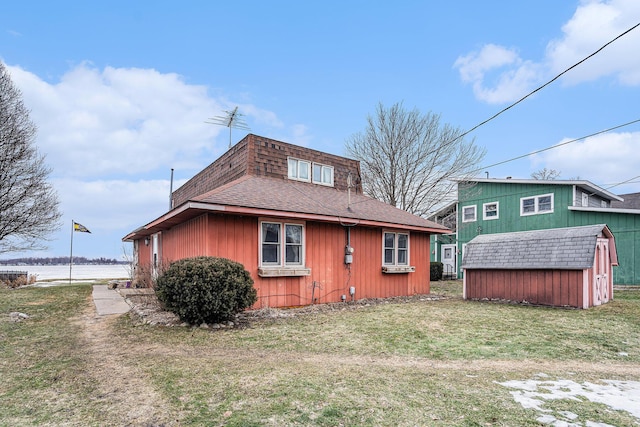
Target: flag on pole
(79,227)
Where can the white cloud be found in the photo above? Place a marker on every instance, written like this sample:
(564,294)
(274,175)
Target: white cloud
(593,24)
(605,159)
(118,122)
(499,75)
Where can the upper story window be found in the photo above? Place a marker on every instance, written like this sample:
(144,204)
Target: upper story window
(490,211)
(304,170)
(469,213)
(299,169)
(281,244)
(536,205)
(322,174)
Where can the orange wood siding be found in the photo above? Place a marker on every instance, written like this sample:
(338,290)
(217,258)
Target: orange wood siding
(237,238)
(545,287)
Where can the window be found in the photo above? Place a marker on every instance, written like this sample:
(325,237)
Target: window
(396,249)
(299,169)
(490,211)
(536,205)
(281,242)
(322,174)
(468,214)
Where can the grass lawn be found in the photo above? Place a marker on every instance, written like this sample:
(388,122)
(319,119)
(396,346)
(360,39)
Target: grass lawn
(418,363)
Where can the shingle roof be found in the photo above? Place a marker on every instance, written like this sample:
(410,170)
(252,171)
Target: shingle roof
(571,248)
(291,196)
(631,201)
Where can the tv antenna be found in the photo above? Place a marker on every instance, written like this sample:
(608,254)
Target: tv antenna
(233,119)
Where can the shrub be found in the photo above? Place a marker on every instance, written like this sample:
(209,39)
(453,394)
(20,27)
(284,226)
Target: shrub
(205,289)
(436,270)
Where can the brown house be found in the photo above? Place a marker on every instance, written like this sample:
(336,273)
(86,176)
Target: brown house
(569,267)
(297,220)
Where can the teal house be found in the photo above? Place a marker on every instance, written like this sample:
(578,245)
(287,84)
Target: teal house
(489,206)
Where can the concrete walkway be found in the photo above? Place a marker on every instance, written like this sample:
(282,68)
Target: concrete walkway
(108,301)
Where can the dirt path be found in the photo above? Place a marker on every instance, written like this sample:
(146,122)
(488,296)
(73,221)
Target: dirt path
(125,392)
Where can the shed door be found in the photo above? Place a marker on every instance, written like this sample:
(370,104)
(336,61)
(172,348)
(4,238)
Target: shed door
(602,273)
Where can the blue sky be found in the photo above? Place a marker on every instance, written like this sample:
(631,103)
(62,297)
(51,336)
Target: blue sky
(120,90)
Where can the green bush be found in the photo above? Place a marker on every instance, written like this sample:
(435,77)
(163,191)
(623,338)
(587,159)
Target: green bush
(436,270)
(205,289)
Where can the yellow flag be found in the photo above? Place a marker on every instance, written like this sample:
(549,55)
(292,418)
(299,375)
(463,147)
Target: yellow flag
(79,227)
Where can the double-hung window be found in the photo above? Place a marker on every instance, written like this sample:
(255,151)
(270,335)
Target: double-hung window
(490,211)
(282,244)
(396,249)
(469,213)
(536,205)
(299,170)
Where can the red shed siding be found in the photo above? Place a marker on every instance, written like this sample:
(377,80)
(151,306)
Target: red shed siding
(545,287)
(237,238)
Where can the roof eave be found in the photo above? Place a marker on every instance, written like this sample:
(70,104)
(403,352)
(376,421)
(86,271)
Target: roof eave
(192,209)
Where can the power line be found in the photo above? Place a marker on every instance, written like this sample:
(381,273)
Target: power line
(557,145)
(544,85)
(623,182)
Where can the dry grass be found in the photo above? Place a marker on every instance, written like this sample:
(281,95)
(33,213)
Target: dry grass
(401,364)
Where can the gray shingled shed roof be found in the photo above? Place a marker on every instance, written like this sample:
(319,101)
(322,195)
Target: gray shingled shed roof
(571,248)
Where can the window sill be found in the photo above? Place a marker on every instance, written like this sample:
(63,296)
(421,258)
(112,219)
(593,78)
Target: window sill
(283,271)
(398,269)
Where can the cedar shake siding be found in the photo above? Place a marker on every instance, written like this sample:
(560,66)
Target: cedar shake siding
(264,157)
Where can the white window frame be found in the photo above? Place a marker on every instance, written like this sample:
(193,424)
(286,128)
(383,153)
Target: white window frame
(282,245)
(395,249)
(475,213)
(484,211)
(323,169)
(293,169)
(536,205)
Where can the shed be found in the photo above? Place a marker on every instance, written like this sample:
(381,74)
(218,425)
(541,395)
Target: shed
(562,267)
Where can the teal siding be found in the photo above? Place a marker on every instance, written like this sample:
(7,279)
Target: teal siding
(625,227)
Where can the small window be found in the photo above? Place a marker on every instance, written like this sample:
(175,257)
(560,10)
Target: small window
(604,204)
(536,205)
(490,211)
(585,199)
(322,174)
(468,214)
(299,169)
(396,249)
(282,241)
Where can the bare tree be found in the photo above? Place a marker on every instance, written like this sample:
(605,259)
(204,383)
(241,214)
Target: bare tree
(28,203)
(546,174)
(411,160)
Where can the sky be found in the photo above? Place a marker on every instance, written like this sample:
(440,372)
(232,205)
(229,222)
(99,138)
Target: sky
(121,91)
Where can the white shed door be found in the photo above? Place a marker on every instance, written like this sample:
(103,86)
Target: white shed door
(601,273)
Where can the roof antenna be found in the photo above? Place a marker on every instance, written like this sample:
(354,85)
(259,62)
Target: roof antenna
(233,119)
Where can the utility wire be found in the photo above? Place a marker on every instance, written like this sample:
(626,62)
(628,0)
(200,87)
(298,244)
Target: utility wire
(623,182)
(557,145)
(543,86)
